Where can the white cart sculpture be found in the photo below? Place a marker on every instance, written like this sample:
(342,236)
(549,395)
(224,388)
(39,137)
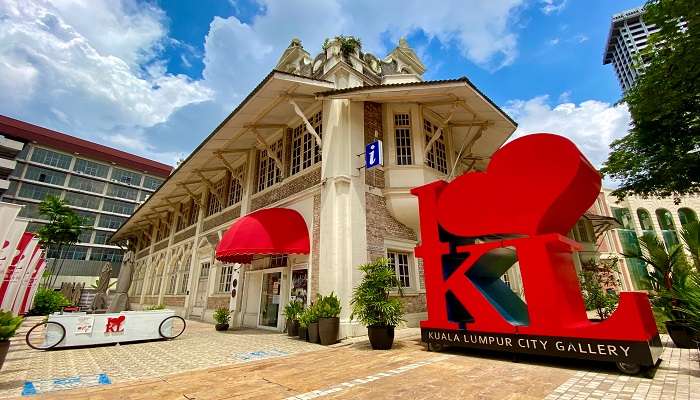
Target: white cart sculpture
(117,326)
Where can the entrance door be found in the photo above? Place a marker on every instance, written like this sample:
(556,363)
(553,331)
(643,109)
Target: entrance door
(251,301)
(200,299)
(270,299)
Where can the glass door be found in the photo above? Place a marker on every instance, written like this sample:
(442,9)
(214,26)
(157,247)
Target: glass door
(270,299)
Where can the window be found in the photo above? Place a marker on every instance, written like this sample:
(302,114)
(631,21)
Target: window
(36,192)
(82,200)
(119,207)
(225,278)
(102,237)
(402,132)
(506,279)
(399,261)
(89,185)
(278,261)
(235,192)
(623,215)
(17,172)
(582,231)
(128,177)
(121,191)
(163,230)
(687,216)
(106,254)
(45,175)
(644,220)
(218,191)
(436,157)
(110,221)
(172,280)
(51,158)
(268,173)
(23,153)
(185,272)
(144,195)
(90,168)
(87,217)
(85,236)
(150,182)
(69,253)
(205,266)
(668,229)
(30,210)
(305,150)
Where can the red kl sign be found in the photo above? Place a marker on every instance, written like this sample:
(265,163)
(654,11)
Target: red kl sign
(476,227)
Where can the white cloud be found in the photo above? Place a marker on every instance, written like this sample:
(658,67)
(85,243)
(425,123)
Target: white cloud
(552,6)
(553,42)
(88,67)
(592,124)
(95,68)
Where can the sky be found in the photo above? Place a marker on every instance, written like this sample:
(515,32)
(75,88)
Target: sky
(156,77)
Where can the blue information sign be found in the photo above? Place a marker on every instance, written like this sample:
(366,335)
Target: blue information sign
(374,155)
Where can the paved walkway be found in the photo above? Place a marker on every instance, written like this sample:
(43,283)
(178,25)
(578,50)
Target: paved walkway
(248,364)
(200,347)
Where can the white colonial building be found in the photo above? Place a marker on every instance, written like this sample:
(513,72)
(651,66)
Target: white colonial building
(297,142)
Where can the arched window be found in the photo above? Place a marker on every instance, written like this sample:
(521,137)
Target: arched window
(686,215)
(645,220)
(668,229)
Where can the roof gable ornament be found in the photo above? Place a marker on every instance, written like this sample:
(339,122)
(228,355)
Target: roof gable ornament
(403,65)
(295,59)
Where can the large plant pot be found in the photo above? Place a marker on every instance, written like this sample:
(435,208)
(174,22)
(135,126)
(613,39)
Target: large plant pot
(221,327)
(681,333)
(4,348)
(328,330)
(313,332)
(303,332)
(381,337)
(292,327)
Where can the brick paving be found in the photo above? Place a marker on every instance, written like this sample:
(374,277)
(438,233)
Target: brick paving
(249,364)
(200,347)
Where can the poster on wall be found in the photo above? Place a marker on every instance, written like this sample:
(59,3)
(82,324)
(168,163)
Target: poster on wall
(84,325)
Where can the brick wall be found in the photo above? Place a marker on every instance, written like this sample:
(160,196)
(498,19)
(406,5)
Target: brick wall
(413,303)
(288,188)
(372,127)
(150,300)
(380,225)
(174,301)
(221,218)
(217,302)
(315,246)
(185,234)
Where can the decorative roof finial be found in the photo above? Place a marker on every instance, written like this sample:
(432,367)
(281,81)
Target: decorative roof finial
(296,42)
(403,43)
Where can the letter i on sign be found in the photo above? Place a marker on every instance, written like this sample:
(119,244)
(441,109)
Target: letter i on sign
(374,154)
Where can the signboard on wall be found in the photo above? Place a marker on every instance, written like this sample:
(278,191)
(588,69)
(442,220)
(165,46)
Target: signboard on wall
(520,209)
(374,155)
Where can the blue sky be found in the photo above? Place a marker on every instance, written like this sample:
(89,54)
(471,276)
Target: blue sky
(155,77)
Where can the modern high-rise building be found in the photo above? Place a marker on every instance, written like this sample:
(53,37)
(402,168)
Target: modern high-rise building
(628,36)
(103,185)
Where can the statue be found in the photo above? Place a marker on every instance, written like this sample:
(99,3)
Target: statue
(100,300)
(120,301)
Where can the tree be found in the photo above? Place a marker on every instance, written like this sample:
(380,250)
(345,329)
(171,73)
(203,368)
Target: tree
(598,280)
(63,229)
(660,156)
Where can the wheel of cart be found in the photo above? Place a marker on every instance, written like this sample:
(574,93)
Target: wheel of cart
(45,335)
(172,327)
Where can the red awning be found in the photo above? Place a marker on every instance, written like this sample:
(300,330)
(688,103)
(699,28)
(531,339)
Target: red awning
(267,232)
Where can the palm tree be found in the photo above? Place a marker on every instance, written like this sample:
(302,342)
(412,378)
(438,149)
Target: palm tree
(668,275)
(63,228)
(691,237)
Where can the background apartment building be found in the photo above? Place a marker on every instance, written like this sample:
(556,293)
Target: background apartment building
(101,184)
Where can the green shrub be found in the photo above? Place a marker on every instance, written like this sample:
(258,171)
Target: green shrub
(371,303)
(328,306)
(293,309)
(308,315)
(8,325)
(222,315)
(155,307)
(48,301)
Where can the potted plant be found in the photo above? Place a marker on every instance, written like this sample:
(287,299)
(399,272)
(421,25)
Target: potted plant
(373,306)
(312,330)
(8,326)
(222,317)
(304,318)
(670,284)
(291,312)
(328,308)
